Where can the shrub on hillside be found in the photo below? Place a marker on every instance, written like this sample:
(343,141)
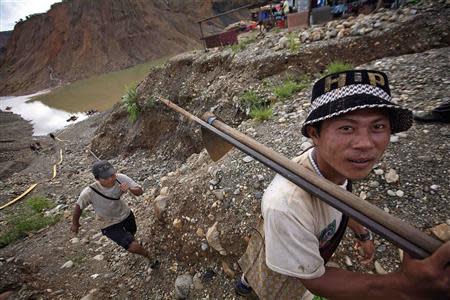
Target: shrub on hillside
(256,106)
(131,101)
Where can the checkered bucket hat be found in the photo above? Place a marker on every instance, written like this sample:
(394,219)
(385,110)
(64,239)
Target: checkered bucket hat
(343,92)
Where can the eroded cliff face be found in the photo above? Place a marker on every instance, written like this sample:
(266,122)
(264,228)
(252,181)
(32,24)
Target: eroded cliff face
(79,38)
(4,36)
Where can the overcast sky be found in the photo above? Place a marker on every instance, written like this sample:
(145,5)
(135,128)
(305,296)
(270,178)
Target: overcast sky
(14,10)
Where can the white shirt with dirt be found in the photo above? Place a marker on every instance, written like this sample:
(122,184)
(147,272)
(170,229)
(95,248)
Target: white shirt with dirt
(296,224)
(108,211)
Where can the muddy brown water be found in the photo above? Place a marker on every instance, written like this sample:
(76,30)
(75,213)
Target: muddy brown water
(49,111)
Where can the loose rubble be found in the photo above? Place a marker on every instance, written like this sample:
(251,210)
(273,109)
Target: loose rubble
(187,201)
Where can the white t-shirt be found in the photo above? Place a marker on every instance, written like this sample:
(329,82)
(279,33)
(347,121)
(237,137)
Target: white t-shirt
(296,224)
(108,211)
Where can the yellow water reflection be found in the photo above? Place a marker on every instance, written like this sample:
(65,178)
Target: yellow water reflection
(98,92)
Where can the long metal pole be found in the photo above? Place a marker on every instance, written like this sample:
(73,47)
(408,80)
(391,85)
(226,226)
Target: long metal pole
(425,246)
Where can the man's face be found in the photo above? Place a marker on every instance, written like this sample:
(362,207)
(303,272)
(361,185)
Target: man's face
(348,146)
(108,182)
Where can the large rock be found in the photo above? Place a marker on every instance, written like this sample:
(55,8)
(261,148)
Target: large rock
(391,176)
(68,264)
(160,206)
(442,231)
(213,238)
(183,285)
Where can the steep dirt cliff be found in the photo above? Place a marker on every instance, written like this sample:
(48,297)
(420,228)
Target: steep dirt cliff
(79,38)
(4,36)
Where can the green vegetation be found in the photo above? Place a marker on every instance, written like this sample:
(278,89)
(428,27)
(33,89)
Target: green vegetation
(293,42)
(261,113)
(256,106)
(241,45)
(288,88)
(337,66)
(250,99)
(131,102)
(76,259)
(31,218)
(277,30)
(39,204)
(150,102)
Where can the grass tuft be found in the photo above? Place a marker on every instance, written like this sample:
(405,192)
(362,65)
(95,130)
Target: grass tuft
(337,66)
(30,219)
(261,113)
(293,42)
(250,99)
(39,204)
(288,88)
(256,106)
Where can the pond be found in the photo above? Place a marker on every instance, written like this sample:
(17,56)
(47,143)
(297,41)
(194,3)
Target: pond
(44,119)
(49,110)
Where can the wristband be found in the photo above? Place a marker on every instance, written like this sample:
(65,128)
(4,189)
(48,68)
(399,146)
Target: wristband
(364,236)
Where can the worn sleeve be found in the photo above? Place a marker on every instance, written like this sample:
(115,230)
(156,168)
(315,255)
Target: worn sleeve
(125,179)
(85,198)
(291,247)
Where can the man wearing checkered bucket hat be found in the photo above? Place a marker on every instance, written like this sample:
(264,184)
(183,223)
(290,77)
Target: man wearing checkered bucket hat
(351,119)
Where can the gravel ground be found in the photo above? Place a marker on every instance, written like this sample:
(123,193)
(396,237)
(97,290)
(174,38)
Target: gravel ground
(201,192)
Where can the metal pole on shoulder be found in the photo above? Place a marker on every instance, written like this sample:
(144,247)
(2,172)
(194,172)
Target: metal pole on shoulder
(400,233)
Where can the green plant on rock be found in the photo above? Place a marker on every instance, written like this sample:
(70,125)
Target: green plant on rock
(150,102)
(30,218)
(250,99)
(39,203)
(261,113)
(293,42)
(288,88)
(131,101)
(337,66)
(256,106)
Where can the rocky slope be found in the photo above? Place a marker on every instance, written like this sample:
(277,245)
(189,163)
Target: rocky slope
(215,80)
(79,38)
(187,193)
(4,36)
(15,144)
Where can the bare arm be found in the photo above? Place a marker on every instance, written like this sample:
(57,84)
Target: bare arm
(76,218)
(137,190)
(367,246)
(343,284)
(356,227)
(418,279)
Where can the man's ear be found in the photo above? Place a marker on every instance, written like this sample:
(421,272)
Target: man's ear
(312,133)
